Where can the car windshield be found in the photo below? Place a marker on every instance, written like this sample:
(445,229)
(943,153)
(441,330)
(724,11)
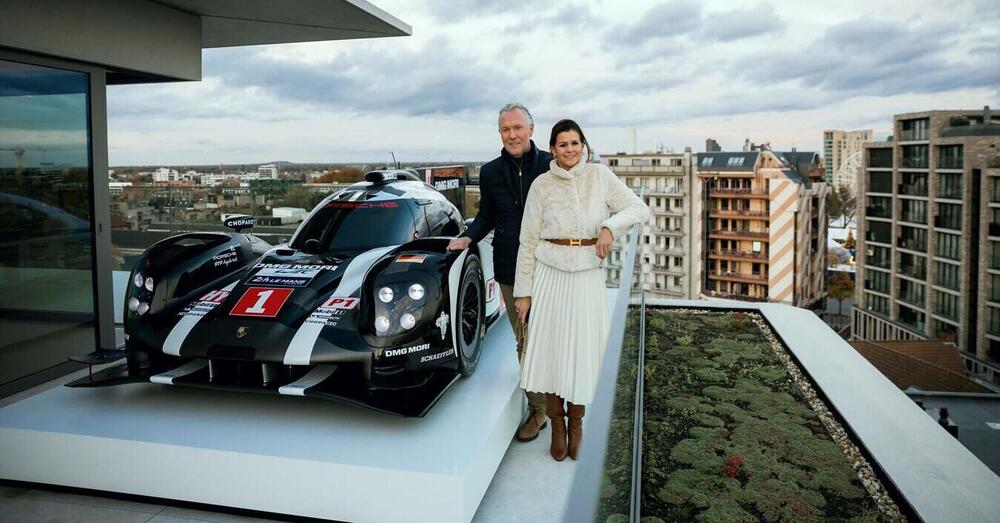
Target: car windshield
(341,226)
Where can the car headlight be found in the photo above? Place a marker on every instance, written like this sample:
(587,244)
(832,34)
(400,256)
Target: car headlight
(133,304)
(142,308)
(149,283)
(137,280)
(399,306)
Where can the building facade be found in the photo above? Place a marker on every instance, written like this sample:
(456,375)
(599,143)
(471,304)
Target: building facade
(842,152)
(664,254)
(929,236)
(759,226)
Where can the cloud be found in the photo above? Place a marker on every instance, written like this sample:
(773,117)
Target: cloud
(662,21)
(875,57)
(737,24)
(434,79)
(451,11)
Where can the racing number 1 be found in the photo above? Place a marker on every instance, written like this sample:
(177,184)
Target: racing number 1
(261,302)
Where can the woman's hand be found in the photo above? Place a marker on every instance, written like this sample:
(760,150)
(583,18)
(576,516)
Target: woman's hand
(522,305)
(604,242)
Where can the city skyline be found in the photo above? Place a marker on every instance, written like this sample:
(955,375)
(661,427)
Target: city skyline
(678,72)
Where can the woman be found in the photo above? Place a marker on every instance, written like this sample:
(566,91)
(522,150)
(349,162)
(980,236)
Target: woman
(571,217)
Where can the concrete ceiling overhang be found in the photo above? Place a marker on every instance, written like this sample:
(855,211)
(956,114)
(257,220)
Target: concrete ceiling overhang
(228,23)
(139,41)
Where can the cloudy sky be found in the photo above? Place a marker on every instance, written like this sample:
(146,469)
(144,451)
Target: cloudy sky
(676,71)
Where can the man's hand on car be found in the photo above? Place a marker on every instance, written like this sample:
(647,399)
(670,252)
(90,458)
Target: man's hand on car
(459,244)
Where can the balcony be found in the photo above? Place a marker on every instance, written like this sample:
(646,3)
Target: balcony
(759,278)
(737,213)
(957,131)
(872,237)
(724,233)
(947,223)
(949,162)
(913,217)
(878,212)
(739,255)
(884,262)
(914,162)
(914,271)
(737,193)
(912,244)
(913,135)
(733,296)
(913,189)
(871,285)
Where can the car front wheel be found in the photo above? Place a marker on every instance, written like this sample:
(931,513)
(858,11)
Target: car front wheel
(471,328)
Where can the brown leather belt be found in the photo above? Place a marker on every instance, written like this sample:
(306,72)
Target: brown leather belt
(575,242)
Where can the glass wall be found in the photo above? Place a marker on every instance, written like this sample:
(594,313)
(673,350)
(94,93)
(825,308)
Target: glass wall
(46,277)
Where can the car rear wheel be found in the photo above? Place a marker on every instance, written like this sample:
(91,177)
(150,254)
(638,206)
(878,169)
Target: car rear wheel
(471,327)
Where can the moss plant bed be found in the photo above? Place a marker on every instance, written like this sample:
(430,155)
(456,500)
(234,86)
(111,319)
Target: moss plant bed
(734,432)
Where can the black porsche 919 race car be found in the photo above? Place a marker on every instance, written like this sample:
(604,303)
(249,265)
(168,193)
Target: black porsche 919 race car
(363,305)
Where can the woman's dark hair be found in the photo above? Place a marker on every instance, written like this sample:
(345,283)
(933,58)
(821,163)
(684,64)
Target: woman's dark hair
(567,125)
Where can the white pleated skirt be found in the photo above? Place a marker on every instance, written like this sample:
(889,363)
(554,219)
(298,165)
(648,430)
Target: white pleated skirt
(567,332)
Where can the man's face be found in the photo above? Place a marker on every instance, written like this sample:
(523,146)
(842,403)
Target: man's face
(515,132)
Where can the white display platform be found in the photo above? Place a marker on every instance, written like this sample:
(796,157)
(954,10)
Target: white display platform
(295,456)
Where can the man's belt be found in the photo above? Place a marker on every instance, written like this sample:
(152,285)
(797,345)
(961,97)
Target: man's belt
(574,242)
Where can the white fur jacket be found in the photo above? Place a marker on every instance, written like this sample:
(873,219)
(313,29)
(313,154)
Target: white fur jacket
(572,204)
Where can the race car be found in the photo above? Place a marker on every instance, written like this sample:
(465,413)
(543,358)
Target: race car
(364,304)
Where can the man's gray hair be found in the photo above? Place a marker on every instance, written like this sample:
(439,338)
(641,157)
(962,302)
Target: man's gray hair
(512,107)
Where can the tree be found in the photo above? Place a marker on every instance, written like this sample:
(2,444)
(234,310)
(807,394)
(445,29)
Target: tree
(841,202)
(839,287)
(849,243)
(301,197)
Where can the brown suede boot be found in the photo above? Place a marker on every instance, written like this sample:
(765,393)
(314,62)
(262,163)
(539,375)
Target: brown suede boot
(554,406)
(575,428)
(532,426)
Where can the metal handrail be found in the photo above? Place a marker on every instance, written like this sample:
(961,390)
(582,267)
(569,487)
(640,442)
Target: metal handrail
(637,416)
(585,491)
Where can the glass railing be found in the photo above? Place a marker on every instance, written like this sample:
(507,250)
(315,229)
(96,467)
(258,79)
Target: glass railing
(611,419)
(914,271)
(913,189)
(913,244)
(878,212)
(872,237)
(915,162)
(913,217)
(913,135)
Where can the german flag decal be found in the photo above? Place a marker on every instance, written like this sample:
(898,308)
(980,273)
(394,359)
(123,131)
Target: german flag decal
(411,258)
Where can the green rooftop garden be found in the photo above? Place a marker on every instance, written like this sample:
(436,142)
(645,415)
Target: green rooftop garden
(732,430)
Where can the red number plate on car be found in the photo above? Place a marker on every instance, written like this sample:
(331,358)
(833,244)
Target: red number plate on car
(262,302)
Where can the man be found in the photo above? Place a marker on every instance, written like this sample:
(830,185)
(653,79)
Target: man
(503,186)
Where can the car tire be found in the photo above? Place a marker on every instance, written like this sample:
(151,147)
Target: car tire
(471,317)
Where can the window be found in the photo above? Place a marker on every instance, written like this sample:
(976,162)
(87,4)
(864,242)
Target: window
(613,162)
(706,161)
(995,255)
(881,158)
(914,211)
(914,184)
(880,182)
(640,162)
(950,157)
(911,292)
(656,161)
(877,281)
(949,216)
(995,196)
(950,186)
(912,238)
(879,207)
(914,319)
(736,161)
(678,261)
(913,265)
(946,304)
(879,256)
(949,246)
(914,130)
(994,288)
(915,156)
(878,232)
(45,227)
(947,275)
(879,304)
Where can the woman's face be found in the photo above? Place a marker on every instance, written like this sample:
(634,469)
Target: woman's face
(568,149)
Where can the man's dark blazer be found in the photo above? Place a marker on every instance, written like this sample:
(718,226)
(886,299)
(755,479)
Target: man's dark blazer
(503,188)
